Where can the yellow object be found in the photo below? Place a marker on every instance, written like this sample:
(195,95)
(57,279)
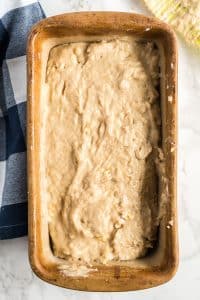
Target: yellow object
(183,15)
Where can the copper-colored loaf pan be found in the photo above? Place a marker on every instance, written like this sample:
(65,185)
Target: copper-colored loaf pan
(159,266)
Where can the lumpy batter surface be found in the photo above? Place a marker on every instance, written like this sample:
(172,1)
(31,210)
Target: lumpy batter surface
(101,132)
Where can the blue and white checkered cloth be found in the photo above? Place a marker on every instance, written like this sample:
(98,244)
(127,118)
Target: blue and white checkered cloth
(16,19)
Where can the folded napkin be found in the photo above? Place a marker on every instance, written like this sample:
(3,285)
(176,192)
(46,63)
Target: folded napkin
(183,15)
(16,19)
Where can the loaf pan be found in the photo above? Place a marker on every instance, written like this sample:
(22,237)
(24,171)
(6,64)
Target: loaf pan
(160,265)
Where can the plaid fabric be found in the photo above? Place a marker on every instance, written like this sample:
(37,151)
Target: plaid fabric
(16,19)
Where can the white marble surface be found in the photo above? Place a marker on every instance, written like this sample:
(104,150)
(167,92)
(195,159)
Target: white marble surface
(17,281)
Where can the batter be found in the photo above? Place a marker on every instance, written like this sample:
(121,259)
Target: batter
(101,133)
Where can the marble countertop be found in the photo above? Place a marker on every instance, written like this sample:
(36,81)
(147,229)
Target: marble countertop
(18,282)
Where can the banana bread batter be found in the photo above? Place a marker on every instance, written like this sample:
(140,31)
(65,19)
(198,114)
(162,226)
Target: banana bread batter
(101,133)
